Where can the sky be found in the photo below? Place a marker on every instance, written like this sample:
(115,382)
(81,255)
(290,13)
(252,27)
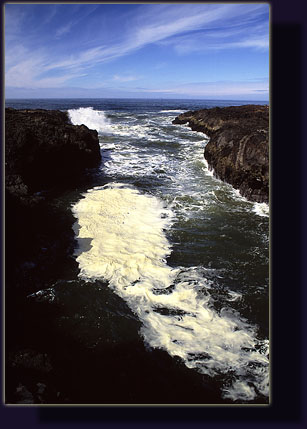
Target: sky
(187,50)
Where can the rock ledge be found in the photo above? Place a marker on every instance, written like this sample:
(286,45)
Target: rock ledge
(43,149)
(238,150)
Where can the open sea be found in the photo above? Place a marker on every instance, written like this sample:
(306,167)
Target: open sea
(185,253)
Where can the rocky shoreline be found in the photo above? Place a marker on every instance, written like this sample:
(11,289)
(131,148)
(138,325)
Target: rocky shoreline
(238,149)
(65,342)
(45,156)
(43,149)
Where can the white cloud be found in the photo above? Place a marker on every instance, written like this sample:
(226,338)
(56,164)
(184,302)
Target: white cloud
(63,30)
(26,72)
(253,89)
(154,23)
(153,28)
(246,33)
(216,89)
(187,45)
(13,19)
(125,78)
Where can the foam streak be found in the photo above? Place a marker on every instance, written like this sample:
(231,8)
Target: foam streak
(121,239)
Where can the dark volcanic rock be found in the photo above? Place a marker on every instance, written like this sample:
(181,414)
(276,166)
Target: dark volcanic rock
(43,149)
(44,152)
(238,149)
(45,157)
(31,359)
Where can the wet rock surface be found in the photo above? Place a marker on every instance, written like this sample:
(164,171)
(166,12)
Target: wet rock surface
(238,150)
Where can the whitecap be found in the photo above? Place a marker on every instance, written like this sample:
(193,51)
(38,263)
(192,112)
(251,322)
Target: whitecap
(261,209)
(172,111)
(93,119)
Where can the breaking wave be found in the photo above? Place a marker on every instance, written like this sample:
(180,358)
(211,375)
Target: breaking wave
(93,119)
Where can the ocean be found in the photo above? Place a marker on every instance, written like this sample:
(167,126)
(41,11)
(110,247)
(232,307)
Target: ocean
(186,255)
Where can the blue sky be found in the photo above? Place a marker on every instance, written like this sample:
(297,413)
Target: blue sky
(187,50)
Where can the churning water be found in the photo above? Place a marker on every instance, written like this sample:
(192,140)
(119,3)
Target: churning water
(171,239)
(185,251)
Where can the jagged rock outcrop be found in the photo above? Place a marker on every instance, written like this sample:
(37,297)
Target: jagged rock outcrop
(43,149)
(238,149)
(45,157)
(44,154)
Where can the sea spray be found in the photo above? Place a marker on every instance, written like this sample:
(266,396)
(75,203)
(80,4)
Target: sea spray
(93,119)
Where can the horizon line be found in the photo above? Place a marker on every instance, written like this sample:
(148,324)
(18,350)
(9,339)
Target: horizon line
(129,98)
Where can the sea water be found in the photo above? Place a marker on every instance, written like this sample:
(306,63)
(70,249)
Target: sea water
(187,253)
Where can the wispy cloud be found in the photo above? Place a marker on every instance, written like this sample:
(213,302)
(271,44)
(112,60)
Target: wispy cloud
(63,30)
(27,71)
(13,20)
(67,27)
(188,44)
(243,34)
(218,88)
(125,78)
(184,28)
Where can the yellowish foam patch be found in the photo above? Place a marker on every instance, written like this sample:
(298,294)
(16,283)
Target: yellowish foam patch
(122,240)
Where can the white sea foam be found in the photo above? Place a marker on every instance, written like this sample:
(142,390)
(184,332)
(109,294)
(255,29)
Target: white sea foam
(44,295)
(93,119)
(125,229)
(171,111)
(96,119)
(234,296)
(121,239)
(207,168)
(262,209)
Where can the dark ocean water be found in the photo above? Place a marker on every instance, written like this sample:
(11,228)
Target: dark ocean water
(184,253)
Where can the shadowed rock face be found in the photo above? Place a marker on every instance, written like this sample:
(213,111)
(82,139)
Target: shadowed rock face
(238,149)
(42,149)
(45,155)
